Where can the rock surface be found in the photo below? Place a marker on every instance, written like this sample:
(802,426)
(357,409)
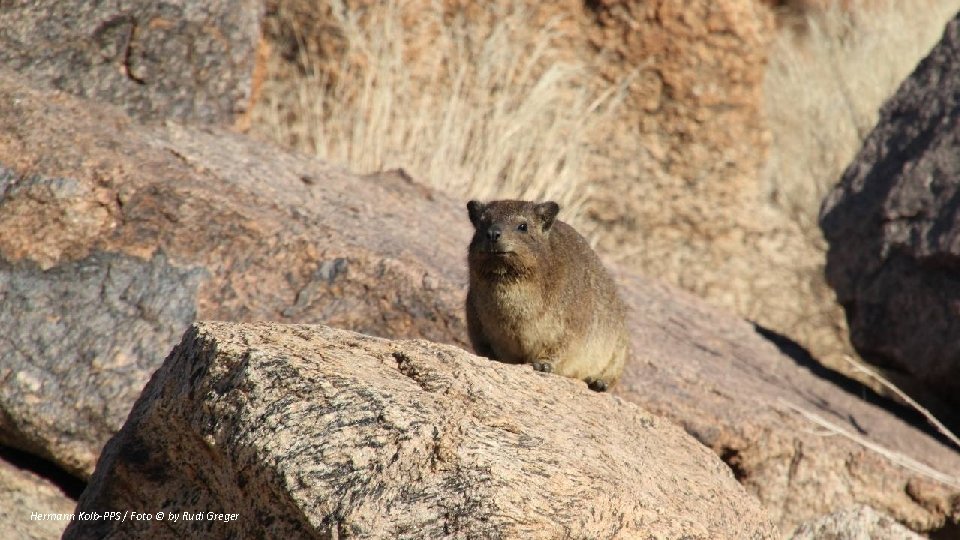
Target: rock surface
(23,493)
(185,59)
(117,236)
(684,198)
(857,523)
(893,229)
(777,419)
(308,432)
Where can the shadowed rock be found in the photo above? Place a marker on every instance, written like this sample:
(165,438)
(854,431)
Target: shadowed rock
(892,224)
(310,432)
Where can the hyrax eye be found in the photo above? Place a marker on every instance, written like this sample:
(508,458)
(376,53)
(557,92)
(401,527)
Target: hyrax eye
(522,227)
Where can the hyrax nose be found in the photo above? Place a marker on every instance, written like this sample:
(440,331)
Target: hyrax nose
(493,234)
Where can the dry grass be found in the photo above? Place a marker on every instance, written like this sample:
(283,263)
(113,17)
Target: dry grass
(494,115)
(828,76)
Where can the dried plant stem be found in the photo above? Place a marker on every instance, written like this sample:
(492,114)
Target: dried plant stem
(909,400)
(898,458)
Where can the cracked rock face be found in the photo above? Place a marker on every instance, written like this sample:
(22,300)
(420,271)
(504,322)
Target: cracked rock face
(894,234)
(183,60)
(311,432)
(78,337)
(116,236)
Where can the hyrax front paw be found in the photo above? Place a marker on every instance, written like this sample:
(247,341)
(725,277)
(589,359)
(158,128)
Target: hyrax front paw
(597,385)
(543,366)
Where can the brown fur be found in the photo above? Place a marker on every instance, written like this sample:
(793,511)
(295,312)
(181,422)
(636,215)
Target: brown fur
(542,296)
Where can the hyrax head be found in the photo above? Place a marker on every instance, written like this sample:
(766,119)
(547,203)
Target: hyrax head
(509,236)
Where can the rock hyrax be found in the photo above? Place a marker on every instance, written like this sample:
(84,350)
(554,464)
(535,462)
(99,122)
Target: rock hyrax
(539,294)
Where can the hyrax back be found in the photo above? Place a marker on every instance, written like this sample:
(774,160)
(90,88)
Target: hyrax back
(540,295)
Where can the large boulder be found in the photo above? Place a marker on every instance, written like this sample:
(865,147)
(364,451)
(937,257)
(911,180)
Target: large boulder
(311,432)
(117,236)
(188,59)
(893,230)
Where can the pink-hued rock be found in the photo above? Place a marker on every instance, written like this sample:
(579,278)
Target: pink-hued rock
(311,432)
(116,236)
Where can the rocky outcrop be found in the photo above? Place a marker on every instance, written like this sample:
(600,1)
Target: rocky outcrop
(892,228)
(184,60)
(310,432)
(31,508)
(805,441)
(856,523)
(691,123)
(117,236)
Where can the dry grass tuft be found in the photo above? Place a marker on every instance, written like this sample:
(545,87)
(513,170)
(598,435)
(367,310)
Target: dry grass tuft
(495,115)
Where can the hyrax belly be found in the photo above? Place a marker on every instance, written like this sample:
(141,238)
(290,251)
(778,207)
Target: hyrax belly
(520,330)
(516,326)
(598,358)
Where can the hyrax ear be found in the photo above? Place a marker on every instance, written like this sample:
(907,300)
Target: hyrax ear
(547,212)
(475,209)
